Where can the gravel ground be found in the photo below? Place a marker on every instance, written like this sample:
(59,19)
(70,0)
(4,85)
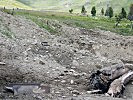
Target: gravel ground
(63,62)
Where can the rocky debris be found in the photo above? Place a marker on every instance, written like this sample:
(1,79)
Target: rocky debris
(2,63)
(75,92)
(42,62)
(45,44)
(28,89)
(72,81)
(63,61)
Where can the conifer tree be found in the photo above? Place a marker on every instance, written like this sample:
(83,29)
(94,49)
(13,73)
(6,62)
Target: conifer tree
(110,12)
(102,11)
(123,13)
(107,12)
(71,11)
(83,11)
(93,11)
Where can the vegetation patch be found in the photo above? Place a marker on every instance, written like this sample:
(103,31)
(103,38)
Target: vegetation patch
(5,30)
(74,20)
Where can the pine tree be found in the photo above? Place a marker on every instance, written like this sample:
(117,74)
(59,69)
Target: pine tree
(83,11)
(123,13)
(93,11)
(107,12)
(102,11)
(71,11)
(110,12)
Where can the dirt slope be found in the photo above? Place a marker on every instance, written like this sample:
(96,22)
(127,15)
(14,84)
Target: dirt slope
(63,62)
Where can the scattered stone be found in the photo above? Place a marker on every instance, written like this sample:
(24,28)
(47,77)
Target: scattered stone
(98,66)
(41,62)
(63,81)
(45,44)
(62,74)
(72,81)
(70,88)
(75,63)
(66,71)
(63,96)
(57,92)
(74,95)
(27,88)
(41,44)
(132,83)
(71,70)
(76,92)
(39,97)
(76,75)
(73,67)
(124,97)
(2,63)
(83,74)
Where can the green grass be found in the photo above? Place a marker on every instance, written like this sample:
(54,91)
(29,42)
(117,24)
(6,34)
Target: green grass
(6,31)
(42,24)
(76,21)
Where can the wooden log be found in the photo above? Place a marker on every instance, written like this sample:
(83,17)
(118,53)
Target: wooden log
(117,86)
(101,79)
(114,71)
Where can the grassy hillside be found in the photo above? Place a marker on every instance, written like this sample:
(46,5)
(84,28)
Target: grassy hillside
(65,5)
(40,18)
(13,4)
(58,5)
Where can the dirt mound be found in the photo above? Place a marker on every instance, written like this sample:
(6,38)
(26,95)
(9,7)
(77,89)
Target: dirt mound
(63,62)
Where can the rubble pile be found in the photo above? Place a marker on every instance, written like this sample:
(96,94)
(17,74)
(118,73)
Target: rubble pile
(63,62)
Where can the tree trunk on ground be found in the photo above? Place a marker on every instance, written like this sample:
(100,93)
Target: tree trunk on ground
(114,71)
(101,79)
(117,86)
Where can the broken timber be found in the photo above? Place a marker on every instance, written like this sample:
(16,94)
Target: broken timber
(117,86)
(111,80)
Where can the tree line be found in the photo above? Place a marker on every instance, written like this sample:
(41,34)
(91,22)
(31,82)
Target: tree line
(110,13)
